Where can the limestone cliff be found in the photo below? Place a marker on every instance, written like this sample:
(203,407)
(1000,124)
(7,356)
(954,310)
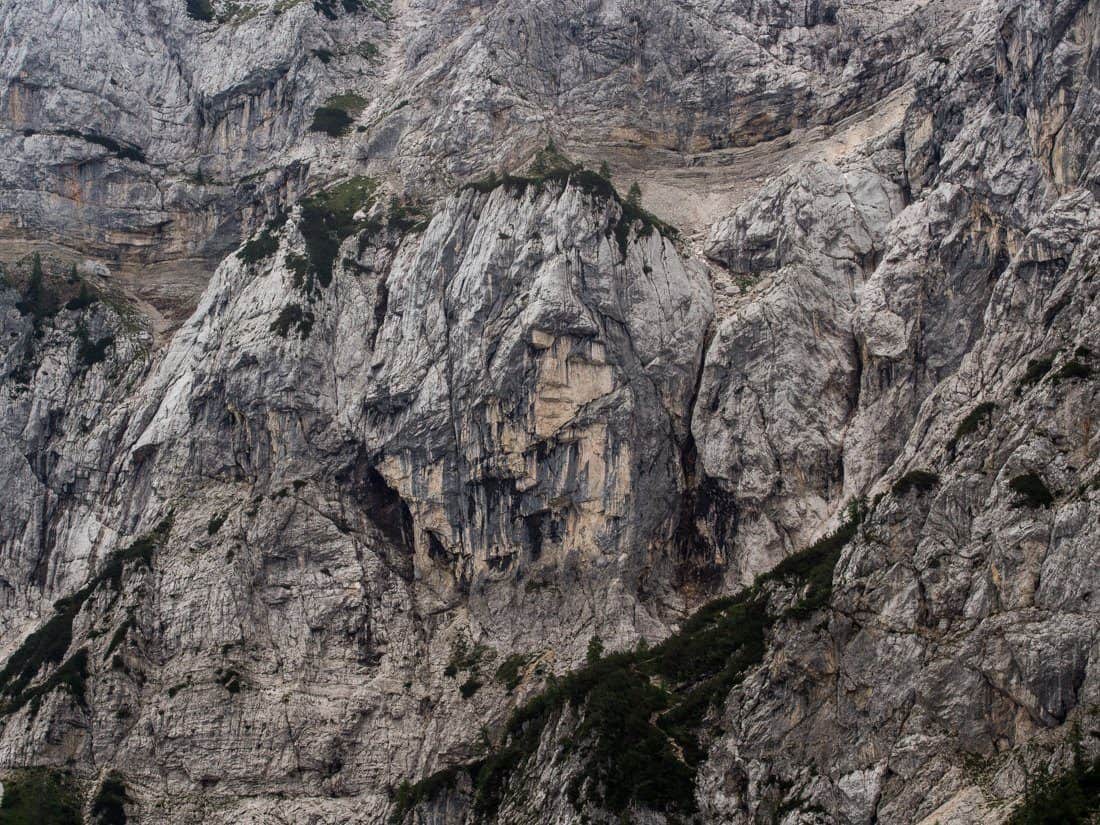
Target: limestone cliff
(375,452)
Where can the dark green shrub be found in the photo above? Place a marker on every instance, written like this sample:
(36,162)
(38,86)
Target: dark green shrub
(332,121)
(229,679)
(264,245)
(200,10)
(329,8)
(88,352)
(40,796)
(140,553)
(1032,490)
(84,299)
(552,167)
(327,218)
(293,315)
(1036,369)
(215,523)
(1073,797)
(45,646)
(48,645)
(470,687)
(920,480)
(337,115)
(510,671)
(969,425)
(409,796)
(38,301)
(1072,369)
(406,217)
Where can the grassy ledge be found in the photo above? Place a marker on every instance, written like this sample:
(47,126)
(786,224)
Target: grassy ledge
(552,167)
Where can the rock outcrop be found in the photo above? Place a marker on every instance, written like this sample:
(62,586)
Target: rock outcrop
(467,489)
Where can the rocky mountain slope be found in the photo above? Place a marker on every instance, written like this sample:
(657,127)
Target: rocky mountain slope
(376,452)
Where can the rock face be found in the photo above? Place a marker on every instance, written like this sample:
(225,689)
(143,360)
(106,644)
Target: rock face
(405,522)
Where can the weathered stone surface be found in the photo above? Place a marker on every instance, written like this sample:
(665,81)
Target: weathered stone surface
(437,431)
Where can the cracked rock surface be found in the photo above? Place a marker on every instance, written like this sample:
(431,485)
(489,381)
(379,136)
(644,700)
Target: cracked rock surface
(342,412)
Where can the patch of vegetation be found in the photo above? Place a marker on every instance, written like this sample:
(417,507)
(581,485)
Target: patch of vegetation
(332,121)
(464,657)
(470,687)
(71,677)
(327,218)
(1072,369)
(38,300)
(84,299)
(44,647)
(1073,797)
(299,268)
(510,671)
(408,796)
(119,635)
(48,644)
(215,523)
(367,50)
(229,679)
(330,8)
(1037,368)
(200,10)
(237,13)
(89,352)
(337,115)
(1032,490)
(920,480)
(293,315)
(40,796)
(552,167)
(969,425)
(407,217)
(140,554)
(265,244)
(109,804)
(642,712)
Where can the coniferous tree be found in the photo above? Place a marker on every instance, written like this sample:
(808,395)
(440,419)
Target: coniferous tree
(37,301)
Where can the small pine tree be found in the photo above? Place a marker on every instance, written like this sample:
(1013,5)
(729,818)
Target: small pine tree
(73,277)
(605,170)
(634,196)
(543,163)
(595,650)
(83,300)
(37,301)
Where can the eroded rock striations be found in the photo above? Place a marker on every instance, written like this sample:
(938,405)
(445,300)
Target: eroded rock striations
(468,487)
